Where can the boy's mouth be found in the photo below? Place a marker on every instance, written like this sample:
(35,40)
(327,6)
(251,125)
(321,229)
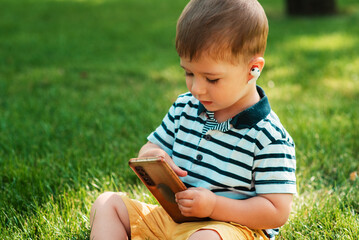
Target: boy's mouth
(206,102)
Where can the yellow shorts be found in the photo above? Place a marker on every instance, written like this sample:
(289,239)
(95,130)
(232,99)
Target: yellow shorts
(151,222)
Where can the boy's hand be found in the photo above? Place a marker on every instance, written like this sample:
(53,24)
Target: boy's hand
(152,150)
(196,202)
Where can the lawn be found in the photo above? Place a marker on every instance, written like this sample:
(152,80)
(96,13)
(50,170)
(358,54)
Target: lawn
(83,82)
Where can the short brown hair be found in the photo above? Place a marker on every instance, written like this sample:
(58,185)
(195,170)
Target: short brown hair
(224,29)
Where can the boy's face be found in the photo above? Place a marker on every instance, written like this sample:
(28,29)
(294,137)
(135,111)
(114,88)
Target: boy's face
(218,85)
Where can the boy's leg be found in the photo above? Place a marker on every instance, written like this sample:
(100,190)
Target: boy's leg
(109,218)
(215,230)
(205,234)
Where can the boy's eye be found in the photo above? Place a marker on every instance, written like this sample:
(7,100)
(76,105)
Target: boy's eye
(189,74)
(212,80)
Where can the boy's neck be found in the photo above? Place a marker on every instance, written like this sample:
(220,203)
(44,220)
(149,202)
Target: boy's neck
(246,102)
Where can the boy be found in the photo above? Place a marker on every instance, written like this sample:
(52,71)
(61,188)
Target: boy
(221,138)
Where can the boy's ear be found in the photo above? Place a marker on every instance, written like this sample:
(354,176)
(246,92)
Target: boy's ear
(254,69)
(256,62)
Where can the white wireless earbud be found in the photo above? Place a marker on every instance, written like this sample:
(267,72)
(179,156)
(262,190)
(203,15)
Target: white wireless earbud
(255,73)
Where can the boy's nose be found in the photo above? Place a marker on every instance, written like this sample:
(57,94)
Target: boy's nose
(198,87)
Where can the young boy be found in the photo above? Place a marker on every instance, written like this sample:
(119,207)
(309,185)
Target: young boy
(221,138)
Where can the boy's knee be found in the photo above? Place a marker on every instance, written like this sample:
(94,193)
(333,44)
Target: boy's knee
(103,198)
(109,203)
(205,234)
(109,211)
(108,200)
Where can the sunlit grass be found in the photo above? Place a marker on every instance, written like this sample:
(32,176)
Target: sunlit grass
(328,42)
(324,214)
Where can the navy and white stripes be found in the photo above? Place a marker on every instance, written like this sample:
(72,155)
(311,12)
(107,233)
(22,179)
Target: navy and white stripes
(247,155)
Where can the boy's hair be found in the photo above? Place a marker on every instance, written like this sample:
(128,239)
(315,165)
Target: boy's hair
(224,29)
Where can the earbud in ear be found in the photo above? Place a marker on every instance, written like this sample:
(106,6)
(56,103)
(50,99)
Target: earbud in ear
(255,73)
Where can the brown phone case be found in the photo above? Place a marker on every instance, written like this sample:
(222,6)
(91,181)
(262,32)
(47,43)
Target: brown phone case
(162,182)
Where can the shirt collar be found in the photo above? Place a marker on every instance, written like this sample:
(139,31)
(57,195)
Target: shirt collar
(251,115)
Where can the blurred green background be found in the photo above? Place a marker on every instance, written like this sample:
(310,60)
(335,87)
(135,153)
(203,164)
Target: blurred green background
(83,82)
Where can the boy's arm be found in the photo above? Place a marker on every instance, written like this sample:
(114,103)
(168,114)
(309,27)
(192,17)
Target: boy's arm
(152,150)
(264,211)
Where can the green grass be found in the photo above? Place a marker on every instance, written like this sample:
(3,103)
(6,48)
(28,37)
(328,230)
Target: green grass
(82,83)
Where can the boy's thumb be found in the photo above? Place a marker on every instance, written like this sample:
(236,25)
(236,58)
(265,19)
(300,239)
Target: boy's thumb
(180,172)
(176,169)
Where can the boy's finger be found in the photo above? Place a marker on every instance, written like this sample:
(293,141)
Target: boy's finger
(187,194)
(180,172)
(175,168)
(185,202)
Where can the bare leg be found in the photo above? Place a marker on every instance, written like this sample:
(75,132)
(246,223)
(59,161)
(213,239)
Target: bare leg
(109,218)
(205,234)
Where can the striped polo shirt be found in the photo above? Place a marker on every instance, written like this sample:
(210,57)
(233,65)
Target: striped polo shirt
(246,155)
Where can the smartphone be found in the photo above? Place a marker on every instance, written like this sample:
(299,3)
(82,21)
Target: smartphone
(163,183)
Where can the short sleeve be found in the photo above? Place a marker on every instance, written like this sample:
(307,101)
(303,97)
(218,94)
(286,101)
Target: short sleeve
(274,168)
